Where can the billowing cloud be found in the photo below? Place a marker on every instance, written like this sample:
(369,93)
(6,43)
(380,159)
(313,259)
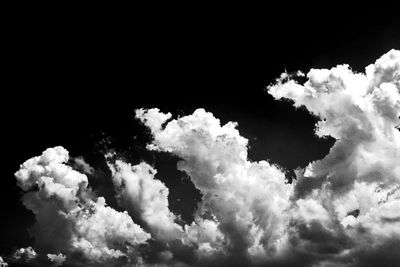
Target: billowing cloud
(57,260)
(3,263)
(145,197)
(358,182)
(244,205)
(359,110)
(342,210)
(69,218)
(25,254)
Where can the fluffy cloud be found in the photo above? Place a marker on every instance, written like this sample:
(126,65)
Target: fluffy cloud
(145,197)
(358,182)
(3,263)
(69,218)
(342,210)
(361,112)
(25,254)
(244,204)
(339,208)
(80,164)
(57,260)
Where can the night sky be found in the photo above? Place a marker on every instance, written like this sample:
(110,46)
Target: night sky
(76,80)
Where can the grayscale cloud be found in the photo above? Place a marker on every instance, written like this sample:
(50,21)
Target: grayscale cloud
(341,210)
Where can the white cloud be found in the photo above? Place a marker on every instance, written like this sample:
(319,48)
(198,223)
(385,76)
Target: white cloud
(359,110)
(310,210)
(80,164)
(69,218)
(145,197)
(343,210)
(25,254)
(103,233)
(357,183)
(154,118)
(205,235)
(247,200)
(3,263)
(57,259)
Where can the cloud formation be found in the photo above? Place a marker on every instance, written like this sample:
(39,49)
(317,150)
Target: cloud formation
(244,206)
(3,263)
(358,183)
(57,260)
(342,210)
(145,197)
(70,219)
(25,254)
(80,164)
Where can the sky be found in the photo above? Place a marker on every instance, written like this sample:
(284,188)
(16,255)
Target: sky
(259,140)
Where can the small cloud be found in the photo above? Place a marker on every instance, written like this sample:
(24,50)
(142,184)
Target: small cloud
(57,259)
(25,254)
(80,164)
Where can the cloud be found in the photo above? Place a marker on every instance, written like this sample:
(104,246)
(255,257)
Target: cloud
(145,197)
(342,210)
(57,260)
(80,164)
(3,263)
(25,254)
(359,110)
(361,174)
(69,218)
(244,205)
(337,206)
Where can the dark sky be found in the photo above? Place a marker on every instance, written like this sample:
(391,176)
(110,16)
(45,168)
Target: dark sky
(75,79)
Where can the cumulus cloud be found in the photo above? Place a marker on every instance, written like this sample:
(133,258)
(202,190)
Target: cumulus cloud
(145,197)
(57,260)
(69,218)
(80,164)
(244,206)
(358,182)
(342,210)
(25,254)
(3,263)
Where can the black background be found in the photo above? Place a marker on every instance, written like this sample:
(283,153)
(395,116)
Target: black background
(74,76)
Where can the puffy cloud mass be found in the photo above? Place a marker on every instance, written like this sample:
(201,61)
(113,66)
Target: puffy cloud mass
(58,260)
(69,218)
(25,254)
(244,206)
(342,210)
(3,263)
(145,197)
(356,187)
(80,164)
